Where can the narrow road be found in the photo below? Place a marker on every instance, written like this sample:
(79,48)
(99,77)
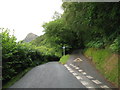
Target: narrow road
(50,75)
(74,74)
(86,72)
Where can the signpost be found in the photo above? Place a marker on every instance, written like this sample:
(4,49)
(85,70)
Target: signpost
(63,50)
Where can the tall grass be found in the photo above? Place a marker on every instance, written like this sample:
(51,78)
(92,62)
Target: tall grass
(106,62)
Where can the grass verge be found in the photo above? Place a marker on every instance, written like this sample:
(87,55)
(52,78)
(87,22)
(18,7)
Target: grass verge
(64,59)
(106,62)
(16,78)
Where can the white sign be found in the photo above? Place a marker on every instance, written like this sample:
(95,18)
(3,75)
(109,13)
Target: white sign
(63,47)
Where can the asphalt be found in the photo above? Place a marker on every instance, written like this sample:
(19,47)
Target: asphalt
(88,67)
(50,75)
(56,75)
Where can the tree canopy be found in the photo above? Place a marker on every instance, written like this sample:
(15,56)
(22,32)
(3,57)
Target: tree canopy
(85,25)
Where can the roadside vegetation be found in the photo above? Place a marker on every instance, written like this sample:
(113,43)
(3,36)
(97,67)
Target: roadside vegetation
(16,78)
(17,57)
(92,27)
(85,26)
(106,62)
(64,59)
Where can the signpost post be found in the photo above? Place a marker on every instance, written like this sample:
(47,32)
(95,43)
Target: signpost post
(63,50)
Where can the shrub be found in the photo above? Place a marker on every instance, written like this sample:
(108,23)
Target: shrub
(64,59)
(95,44)
(116,45)
(17,56)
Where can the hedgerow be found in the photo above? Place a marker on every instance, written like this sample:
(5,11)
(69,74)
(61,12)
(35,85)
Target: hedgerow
(18,56)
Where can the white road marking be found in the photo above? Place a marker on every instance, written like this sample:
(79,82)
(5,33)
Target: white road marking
(71,64)
(84,73)
(68,67)
(65,65)
(77,68)
(77,60)
(84,83)
(90,87)
(74,74)
(81,60)
(104,86)
(96,81)
(71,71)
(78,77)
(90,77)
(80,70)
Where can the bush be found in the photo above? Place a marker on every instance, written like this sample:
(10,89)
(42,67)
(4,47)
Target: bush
(17,56)
(95,44)
(116,45)
(64,59)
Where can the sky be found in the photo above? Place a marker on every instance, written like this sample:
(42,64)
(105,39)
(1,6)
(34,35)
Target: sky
(27,16)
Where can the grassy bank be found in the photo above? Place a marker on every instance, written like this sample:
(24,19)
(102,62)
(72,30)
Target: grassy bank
(64,59)
(16,78)
(106,62)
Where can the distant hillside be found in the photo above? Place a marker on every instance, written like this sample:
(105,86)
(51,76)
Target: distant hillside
(39,41)
(30,37)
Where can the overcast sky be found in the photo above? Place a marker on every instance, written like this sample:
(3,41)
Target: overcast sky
(26,16)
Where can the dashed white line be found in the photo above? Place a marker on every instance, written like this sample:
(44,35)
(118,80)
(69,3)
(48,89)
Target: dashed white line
(84,83)
(87,84)
(77,68)
(74,74)
(90,87)
(90,77)
(68,67)
(65,65)
(71,71)
(96,81)
(80,70)
(78,77)
(104,86)
(71,64)
(84,73)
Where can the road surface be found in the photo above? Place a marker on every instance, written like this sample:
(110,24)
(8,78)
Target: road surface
(74,74)
(50,75)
